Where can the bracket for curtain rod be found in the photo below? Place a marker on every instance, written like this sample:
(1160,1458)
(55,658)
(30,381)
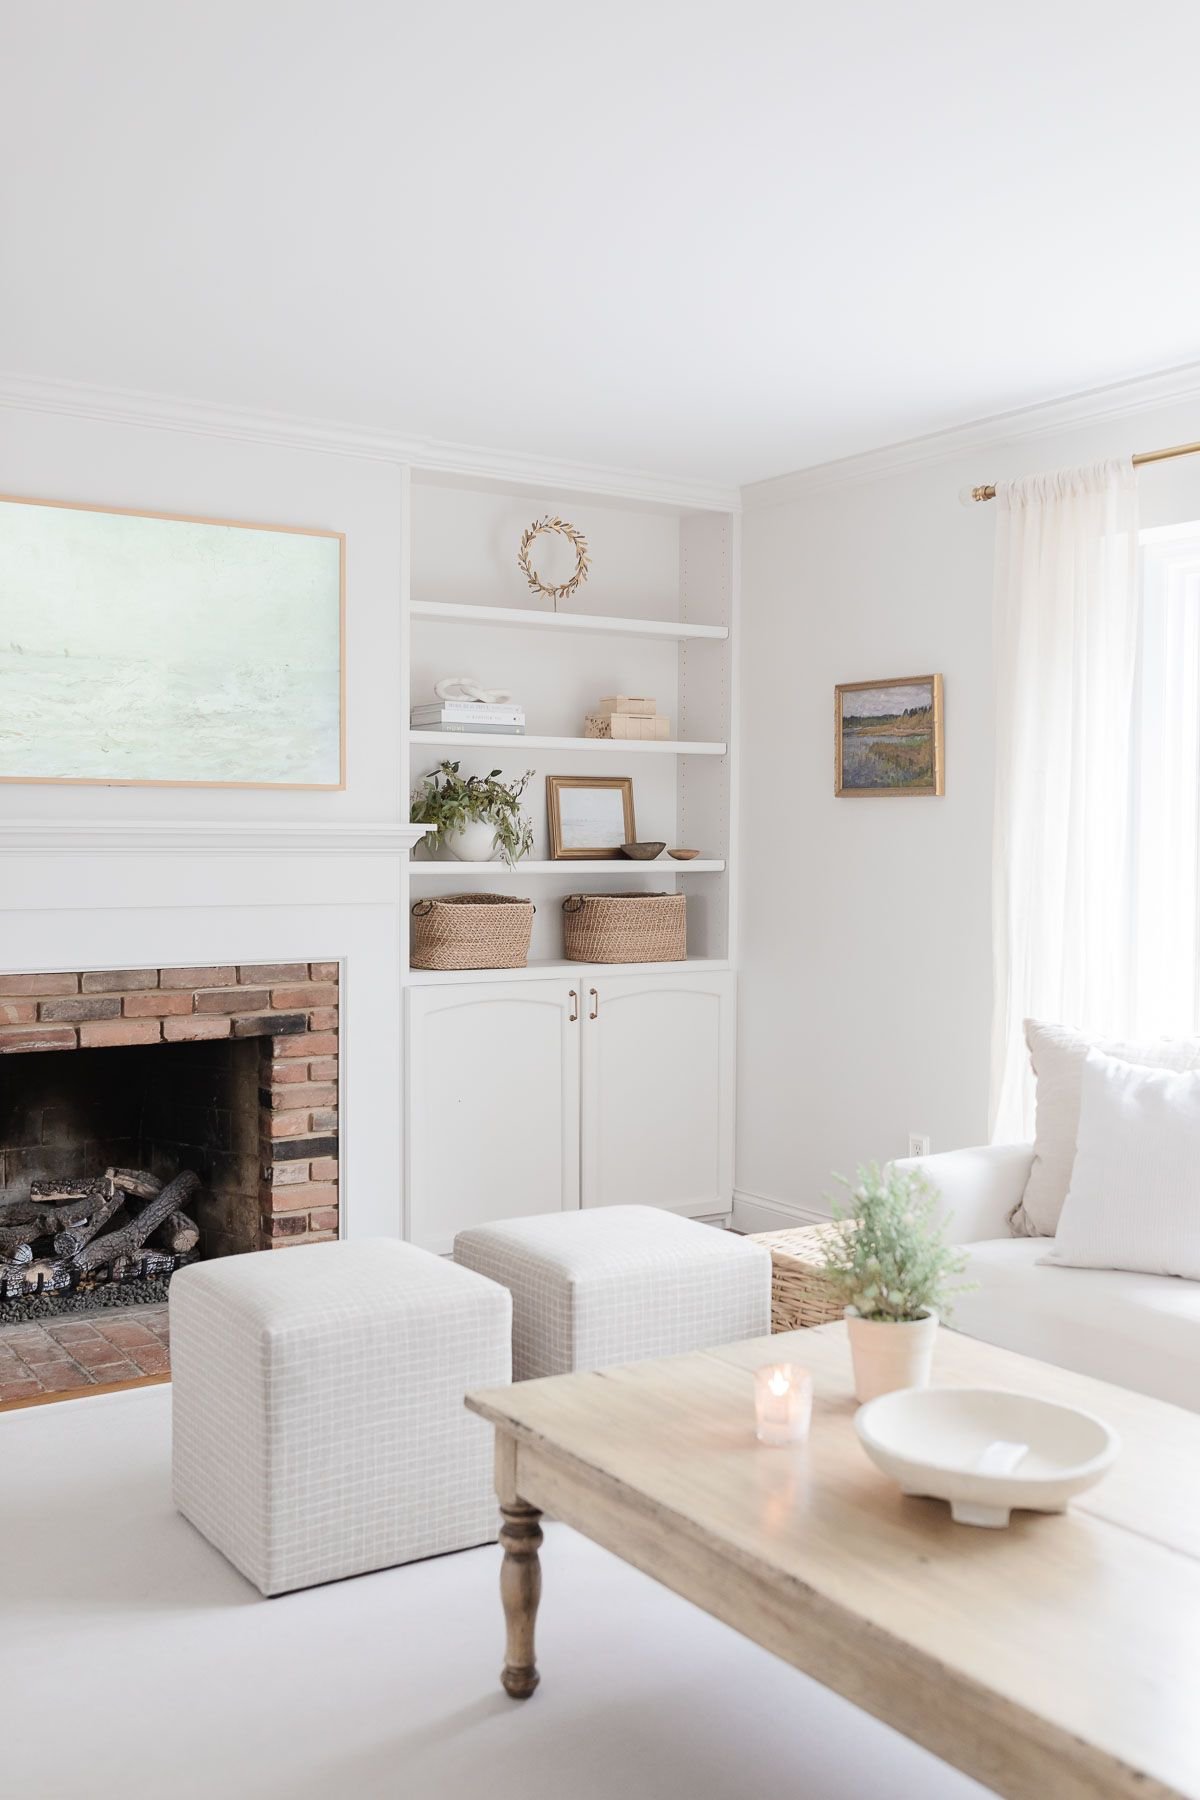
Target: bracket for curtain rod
(987,491)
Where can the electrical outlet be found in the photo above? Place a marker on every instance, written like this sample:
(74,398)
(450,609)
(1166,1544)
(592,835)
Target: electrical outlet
(919,1144)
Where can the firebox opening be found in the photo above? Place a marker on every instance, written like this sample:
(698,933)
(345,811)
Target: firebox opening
(159,1107)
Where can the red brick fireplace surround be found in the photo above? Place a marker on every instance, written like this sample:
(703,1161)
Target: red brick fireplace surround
(256,1064)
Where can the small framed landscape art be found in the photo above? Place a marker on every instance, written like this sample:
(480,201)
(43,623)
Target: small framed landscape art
(589,815)
(152,649)
(888,736)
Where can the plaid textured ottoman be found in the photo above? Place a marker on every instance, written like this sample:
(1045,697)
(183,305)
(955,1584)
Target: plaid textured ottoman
(318,1420)
(618,1284)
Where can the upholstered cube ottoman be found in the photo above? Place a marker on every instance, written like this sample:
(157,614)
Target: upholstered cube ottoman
(319,1428)
(617,1284)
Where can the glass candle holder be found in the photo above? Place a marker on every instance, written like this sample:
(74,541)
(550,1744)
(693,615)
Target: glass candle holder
(782,1403)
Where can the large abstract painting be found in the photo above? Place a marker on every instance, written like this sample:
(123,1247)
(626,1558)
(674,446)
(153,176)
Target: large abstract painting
(140,648)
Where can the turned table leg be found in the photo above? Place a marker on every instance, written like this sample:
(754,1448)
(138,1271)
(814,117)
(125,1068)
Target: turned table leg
(520,1590)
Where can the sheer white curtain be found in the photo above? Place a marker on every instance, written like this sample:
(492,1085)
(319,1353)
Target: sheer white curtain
(1066,655)
(1166,855)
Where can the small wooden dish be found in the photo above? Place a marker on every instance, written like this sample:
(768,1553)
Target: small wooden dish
(642,852)
(683,855)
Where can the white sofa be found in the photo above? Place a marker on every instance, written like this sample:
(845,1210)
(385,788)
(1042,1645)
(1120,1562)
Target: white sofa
(1141,1331)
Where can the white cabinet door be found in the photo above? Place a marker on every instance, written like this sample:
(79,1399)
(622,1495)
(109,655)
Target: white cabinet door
(493,1110)
(658,1074)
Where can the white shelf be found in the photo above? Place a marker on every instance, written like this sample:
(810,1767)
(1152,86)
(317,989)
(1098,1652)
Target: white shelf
(529,618)
(492,740)
(571,866)
(551,971)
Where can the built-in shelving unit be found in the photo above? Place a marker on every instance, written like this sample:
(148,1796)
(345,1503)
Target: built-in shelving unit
(620,1077)
(661,619)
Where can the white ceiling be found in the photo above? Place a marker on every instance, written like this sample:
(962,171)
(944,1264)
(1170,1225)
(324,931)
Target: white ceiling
(701,239)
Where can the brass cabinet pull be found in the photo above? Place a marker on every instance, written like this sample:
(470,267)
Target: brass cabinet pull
(595,1012)
(574,1019)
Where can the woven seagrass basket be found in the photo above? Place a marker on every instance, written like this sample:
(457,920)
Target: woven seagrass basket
(471,931)
(801,1293)
(625,928)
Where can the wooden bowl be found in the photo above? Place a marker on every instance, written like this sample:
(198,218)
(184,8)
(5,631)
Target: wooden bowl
(683,855)
(642,852)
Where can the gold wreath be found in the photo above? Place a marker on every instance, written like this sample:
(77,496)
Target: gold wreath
(581,555)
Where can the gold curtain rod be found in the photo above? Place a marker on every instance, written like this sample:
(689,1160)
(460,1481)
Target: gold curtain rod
(988,492)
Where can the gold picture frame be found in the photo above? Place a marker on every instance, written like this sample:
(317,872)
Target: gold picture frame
(888,737)
(570,826)
(71,658)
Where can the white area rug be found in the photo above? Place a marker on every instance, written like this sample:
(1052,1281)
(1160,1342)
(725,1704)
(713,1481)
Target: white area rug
(135,1664)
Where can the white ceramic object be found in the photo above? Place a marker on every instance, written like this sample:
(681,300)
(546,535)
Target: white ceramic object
(476,842)
(888,1356)
(465,687)
(984,1450)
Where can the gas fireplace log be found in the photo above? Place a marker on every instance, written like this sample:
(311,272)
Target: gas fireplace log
(70,1242)
(138,1182)
(20,1256)
(54,1276)
(23,1221)
(142,1263)
(177,1233)
(131,1237)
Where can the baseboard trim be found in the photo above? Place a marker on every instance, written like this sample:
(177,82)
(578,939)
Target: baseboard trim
(759,1212)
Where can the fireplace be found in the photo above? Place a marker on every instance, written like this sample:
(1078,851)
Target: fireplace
(230,1072)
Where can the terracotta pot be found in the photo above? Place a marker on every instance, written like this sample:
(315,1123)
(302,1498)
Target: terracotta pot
(890,1355)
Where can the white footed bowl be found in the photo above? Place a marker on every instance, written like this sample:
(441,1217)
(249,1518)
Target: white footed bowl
(985,1450)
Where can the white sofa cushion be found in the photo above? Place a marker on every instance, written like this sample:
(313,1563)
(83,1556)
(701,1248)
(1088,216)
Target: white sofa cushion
(1141,1331)
(1058,1054)
(1134,1199)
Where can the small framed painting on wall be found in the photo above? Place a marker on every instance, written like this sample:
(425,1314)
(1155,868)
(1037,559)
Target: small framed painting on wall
(888,737)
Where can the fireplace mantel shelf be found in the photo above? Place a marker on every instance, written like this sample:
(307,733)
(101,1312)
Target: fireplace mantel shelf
(204,837)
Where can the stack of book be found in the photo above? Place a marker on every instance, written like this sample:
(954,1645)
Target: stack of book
(469,715)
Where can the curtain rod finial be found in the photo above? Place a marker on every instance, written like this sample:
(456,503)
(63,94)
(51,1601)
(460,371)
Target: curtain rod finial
(967,496)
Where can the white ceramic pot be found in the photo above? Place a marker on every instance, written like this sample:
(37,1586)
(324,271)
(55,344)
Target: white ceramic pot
(888,1356)
(476,842)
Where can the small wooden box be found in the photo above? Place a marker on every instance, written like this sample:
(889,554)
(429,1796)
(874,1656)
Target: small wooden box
(626,726)
(642,706)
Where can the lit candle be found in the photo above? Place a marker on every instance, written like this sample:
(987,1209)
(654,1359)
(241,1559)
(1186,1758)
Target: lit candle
(782,1403)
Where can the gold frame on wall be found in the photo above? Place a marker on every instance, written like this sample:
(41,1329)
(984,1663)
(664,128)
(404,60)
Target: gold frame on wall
(137,512)
(554,786)
(937,787)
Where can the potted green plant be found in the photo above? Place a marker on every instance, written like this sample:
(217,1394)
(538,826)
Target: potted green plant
(893,1270)
(475,817)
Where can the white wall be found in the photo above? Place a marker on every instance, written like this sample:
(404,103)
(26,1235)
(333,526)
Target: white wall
(53,456)
(865,930)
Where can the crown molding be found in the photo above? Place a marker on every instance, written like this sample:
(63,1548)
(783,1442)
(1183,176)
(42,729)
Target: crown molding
(1120,400)
(202,837)
(120,406)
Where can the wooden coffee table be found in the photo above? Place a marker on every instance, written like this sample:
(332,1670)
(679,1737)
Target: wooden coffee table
(1055,1660)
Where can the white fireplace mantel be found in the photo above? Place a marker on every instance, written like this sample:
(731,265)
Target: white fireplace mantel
(141,894)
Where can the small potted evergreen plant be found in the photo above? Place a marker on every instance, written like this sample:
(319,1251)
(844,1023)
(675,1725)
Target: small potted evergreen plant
(893,1269)
(477,818)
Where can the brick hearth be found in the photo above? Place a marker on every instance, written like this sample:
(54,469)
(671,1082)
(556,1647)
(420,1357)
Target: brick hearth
(291,1007)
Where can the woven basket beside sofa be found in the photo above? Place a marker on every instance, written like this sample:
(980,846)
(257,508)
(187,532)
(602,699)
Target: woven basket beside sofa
(471,931)
(625,928)
(800,1293)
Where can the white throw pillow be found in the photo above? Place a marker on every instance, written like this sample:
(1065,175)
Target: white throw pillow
(1058,1054)
(1134,1200)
